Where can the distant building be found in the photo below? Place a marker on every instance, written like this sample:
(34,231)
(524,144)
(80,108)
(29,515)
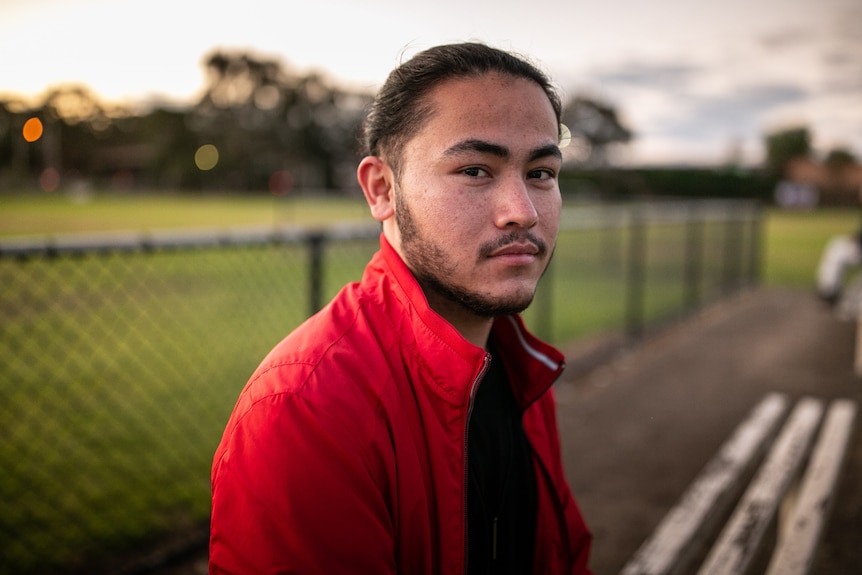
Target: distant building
(826,185)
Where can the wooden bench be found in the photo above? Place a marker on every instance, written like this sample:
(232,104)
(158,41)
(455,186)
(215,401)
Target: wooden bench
(763,461)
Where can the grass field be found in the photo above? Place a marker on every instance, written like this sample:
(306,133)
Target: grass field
(119,370)
(794,241)
(41,213)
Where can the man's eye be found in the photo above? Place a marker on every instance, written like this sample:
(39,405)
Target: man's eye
(474,172)
(541,174)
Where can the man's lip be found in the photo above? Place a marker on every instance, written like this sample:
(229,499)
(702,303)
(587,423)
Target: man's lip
(517,249)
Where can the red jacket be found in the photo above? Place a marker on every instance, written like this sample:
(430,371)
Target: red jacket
(345,452)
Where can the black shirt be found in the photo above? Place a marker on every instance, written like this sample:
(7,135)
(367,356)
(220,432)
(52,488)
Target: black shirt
(501,492)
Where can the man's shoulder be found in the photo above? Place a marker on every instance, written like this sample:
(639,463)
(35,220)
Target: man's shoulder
(327,379)
(337,347)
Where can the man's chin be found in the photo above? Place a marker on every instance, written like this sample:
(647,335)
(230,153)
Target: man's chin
(491,307)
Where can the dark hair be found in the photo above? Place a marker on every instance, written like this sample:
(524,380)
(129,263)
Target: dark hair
(401,107)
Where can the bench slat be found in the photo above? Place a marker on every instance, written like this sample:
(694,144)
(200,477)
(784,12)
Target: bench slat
(712,493)
(796,547)
(739,541)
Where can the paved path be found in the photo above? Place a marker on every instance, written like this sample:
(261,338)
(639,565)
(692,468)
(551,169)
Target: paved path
(637,430)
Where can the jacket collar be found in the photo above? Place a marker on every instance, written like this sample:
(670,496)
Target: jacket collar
(532,364)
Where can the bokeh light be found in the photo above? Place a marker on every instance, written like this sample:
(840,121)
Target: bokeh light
(206,157)
(49,180)
(280,183)
(565,136)
(267,97)
(32,129)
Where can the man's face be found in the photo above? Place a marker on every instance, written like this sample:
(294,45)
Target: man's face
(477,203)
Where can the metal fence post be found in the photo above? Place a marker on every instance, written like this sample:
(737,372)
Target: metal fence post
(635,288)
(733,230)
(316,243)
(693,256)
(756,243)
(545,302)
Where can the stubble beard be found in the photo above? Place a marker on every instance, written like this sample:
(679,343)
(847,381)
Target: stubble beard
(430,266)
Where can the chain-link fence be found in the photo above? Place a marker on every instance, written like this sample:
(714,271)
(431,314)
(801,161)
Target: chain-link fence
(121,356)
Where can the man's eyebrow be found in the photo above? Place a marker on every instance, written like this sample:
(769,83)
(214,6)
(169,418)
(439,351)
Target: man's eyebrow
(483,147)
(552,150)
(480,146)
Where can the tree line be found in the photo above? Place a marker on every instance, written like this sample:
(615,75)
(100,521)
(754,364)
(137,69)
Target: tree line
(265,126)
(260,125)
(260,117)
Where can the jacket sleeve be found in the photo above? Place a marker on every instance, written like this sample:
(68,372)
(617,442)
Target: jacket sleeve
(297,489)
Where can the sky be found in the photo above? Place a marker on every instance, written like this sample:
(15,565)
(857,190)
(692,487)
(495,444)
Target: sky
(698,82)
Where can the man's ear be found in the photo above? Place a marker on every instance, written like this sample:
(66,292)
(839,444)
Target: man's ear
(376,179)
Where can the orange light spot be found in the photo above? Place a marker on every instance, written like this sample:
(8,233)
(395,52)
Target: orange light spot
(32,129)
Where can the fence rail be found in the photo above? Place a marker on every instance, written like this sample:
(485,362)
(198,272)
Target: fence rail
(121,354)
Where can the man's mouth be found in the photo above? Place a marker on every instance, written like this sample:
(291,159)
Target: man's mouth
(515,244)
(516,249)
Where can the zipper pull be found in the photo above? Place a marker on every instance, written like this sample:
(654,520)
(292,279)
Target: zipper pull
(494,540)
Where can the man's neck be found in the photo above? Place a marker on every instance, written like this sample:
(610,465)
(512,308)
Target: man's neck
(473,328)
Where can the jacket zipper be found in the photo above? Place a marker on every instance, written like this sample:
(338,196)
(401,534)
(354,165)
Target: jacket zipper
(473,389)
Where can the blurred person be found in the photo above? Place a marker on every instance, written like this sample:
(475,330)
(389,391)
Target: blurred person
(839,282)
(410,427)
(841,256)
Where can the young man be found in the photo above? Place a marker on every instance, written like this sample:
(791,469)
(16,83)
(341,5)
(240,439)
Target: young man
(409,427)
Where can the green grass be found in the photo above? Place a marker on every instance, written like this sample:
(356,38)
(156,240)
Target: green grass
(794,241)
(39,213)
(119,371)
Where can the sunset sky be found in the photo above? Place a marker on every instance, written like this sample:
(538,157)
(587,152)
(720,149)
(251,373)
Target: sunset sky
(696,81)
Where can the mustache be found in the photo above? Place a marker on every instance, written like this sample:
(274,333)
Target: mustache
(513,237)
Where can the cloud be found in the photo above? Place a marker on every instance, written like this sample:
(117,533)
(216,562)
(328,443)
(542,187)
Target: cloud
(739,111)
(674,76)
(698,110)
(686,99)
(841,61)
(785,39)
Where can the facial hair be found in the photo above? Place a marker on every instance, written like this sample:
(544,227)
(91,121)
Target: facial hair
(430,266)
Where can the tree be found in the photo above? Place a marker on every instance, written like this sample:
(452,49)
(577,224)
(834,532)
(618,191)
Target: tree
(595,127)
(265,118)
(839,158)
(785,145)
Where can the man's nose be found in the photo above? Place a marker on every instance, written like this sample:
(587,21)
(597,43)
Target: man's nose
(515,206)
